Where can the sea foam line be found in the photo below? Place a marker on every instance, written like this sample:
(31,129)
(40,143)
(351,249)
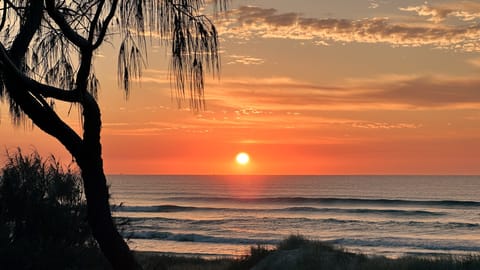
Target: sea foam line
(322,200)
(138,223)
(176,208)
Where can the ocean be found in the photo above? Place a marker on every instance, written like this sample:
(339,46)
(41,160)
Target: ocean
(215,216)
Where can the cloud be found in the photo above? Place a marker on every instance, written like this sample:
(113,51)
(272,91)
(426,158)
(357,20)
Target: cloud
(462,10)
(474,62)
(400,92)
(391,90)
(244,60)
(114,124)
(152,128)
(432,91)
(248,21)
(373,4)
(384,125)
(158,76)
(436,14)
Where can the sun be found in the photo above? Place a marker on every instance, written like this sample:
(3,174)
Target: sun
(242,158)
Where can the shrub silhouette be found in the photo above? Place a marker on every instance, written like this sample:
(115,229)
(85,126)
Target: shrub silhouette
(43,216)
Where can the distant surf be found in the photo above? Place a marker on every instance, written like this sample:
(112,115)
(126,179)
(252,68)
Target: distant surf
(355,201)
(176,208)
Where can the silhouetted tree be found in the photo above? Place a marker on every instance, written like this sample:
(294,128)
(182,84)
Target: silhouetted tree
(47,50)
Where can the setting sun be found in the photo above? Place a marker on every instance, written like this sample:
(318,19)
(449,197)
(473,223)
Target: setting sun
(242,158)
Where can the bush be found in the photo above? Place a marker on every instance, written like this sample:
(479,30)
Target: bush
(42,216)
(293,241)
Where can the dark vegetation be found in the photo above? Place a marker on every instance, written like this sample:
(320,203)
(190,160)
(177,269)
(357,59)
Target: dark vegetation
(43,217)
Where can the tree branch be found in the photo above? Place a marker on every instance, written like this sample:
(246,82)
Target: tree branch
(92,122)
(27,31)
(33,85)
(44,117)
(93,23)
(4,15)
(86,55)
(71,35)
(33,105)
(106,23)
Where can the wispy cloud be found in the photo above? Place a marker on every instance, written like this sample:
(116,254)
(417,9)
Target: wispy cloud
(373,4)
(248,21)
(391,91)
(151,128)
(384,125)
(432,91)
(463,10)
(159,76)
(283,103)
(474,62)
(245,60)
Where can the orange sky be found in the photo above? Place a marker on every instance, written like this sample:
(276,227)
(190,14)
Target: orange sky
(336,87)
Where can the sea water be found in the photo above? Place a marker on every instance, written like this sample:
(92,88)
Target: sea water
(226,215)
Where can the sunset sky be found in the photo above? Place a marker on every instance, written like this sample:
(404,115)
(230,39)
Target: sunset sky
(306,87)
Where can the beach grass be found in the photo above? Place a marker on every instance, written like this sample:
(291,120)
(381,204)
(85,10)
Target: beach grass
(296,252)
(155,261)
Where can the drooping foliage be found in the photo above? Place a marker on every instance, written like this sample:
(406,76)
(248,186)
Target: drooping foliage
(70,30)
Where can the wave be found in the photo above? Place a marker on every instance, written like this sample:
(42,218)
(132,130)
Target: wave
(394,212)
(176,208)
(401,224)
(194,237)
(158,208)
(313,200)
(391,242)
(140,223)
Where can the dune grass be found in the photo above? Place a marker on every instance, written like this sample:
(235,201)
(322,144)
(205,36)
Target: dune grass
(154,261)
(296,252)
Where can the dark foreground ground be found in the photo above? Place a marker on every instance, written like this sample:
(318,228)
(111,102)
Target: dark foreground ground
(293,253)
(296,252)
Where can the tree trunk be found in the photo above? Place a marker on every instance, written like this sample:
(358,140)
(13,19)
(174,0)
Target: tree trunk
(100,219)
(99,215)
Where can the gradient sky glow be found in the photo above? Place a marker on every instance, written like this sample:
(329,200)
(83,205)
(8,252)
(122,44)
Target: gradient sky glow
(307,87)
